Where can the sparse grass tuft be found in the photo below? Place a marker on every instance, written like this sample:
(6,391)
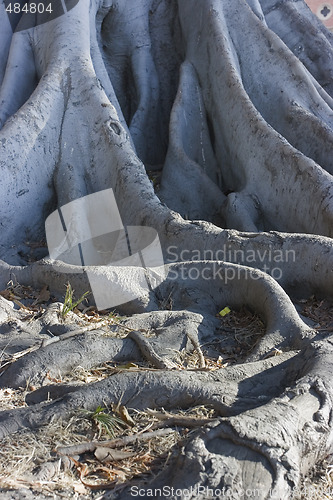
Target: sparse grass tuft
(69,303)
(104,421)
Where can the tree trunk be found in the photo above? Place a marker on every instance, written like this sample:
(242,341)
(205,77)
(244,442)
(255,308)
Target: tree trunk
(230,103)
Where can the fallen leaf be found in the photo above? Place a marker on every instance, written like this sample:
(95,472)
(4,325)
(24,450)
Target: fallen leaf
(225,311)
(104,454)
(127,366)
(80,488)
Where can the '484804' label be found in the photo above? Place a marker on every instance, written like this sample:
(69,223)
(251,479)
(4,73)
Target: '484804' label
(25,14)
(31,8)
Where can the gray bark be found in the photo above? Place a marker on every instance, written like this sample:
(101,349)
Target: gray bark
(232,101)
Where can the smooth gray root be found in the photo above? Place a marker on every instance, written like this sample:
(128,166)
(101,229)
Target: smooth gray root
(233,110)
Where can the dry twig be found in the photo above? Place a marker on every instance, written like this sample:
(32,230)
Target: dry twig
(149,353)
(111,443)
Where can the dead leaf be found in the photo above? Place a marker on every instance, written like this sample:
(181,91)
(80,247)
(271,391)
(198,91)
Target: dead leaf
(6,294)
(128,366)
(112,474)
(104,454)
(80,489)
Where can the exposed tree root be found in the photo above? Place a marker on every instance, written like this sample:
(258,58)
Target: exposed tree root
(308,39)
(237,108)
(86,350)
(148,352)
(245,435)
(269,444)
(167,389)
(196,174)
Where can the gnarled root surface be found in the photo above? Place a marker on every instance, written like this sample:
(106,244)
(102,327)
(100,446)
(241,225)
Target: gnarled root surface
(232,109)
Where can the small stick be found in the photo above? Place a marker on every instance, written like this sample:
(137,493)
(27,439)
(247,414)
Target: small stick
(182,422)
(91,446)
(72,333)
(148,352)
(196,345)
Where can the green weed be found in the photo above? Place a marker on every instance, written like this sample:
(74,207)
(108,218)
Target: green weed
(69,302)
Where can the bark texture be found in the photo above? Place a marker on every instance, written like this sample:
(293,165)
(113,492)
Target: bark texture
(229,104)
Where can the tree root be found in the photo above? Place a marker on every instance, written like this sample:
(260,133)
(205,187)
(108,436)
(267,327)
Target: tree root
(157,389)
(242,433)
(270,447)
(148,352)
(21,79)
(215,283)
(239,130)
(192,154)
(299,32)
(54,360)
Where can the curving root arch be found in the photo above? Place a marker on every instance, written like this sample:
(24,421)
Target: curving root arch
(229,104)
